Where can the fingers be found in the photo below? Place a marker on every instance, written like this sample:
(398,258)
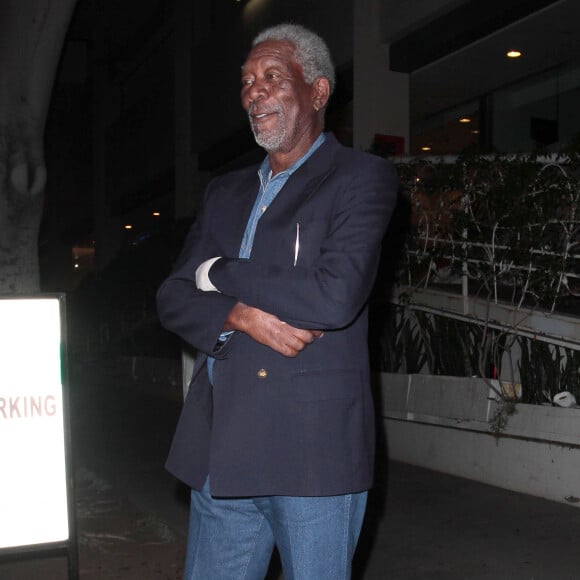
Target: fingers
(282,337)
(269,330)
(294,340)
(305,336)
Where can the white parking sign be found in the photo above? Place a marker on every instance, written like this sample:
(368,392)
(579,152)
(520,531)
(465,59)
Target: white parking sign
(33,481)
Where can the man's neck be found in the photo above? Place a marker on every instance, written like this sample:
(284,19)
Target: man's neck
(266,172)
(282,160)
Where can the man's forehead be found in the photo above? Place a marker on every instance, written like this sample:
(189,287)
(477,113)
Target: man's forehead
(276,50)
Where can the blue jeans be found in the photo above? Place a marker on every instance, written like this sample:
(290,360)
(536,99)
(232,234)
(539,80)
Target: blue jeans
(233,539)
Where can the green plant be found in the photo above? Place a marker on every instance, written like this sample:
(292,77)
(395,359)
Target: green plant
(508,228)
(547,369)
(509,224)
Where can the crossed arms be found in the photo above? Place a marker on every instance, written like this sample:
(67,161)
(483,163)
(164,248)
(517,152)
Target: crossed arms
(284,307)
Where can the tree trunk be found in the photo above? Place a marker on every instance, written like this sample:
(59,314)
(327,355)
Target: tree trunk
(32,33)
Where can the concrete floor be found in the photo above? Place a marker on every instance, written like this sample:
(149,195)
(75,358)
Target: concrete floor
(420,525)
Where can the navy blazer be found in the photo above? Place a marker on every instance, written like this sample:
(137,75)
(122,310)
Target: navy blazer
(274,425)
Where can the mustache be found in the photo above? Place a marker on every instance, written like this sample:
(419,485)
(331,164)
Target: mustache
(254,109)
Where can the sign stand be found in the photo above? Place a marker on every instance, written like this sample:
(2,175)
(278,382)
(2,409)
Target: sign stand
(37,509)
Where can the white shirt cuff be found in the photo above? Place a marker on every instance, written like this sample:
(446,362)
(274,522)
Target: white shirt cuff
(202,280)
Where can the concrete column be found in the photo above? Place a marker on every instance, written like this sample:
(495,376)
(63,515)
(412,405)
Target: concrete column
(185,161)
(381,97)
(107,227)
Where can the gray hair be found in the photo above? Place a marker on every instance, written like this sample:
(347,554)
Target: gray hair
(311,52)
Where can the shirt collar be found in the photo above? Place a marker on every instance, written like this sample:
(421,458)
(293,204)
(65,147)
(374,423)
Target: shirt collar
(265,171)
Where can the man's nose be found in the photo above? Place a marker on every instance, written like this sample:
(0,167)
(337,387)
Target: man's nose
(258,90)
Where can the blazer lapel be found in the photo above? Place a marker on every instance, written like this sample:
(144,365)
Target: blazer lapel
(305,181)
(239,197)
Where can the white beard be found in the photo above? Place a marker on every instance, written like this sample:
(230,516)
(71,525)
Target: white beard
(271,140)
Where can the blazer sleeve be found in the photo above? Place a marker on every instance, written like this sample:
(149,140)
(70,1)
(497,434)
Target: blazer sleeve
(330,293)
(196,316)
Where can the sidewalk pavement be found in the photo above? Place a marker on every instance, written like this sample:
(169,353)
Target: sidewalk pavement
(421,525)
(116,540)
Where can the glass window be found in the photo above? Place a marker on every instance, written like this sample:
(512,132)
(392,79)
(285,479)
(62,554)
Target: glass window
(542,112)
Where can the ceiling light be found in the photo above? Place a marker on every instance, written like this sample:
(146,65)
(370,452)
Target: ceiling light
(128,227)
(465,120)
(156,214)
(425,148)
(513,54)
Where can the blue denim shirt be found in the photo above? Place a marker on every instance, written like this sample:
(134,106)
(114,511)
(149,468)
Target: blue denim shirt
(270,186)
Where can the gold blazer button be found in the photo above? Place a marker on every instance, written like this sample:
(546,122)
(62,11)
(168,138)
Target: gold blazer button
(262,373)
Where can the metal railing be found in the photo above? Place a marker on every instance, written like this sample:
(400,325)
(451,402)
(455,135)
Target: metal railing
(508,271)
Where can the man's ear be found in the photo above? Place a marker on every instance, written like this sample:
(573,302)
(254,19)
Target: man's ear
(321,93)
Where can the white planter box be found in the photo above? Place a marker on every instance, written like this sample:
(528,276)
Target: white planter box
(442,423)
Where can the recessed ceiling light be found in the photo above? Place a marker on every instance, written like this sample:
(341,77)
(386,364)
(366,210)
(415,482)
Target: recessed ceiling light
(128,227)
(156,214)
(425,148)
(465,120)
(513,54)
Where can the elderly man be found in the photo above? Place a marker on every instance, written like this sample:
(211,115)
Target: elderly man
(276,437)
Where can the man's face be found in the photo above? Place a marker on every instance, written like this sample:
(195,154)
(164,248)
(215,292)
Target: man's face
(279,103)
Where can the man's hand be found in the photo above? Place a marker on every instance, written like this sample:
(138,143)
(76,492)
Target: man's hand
(269,330)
